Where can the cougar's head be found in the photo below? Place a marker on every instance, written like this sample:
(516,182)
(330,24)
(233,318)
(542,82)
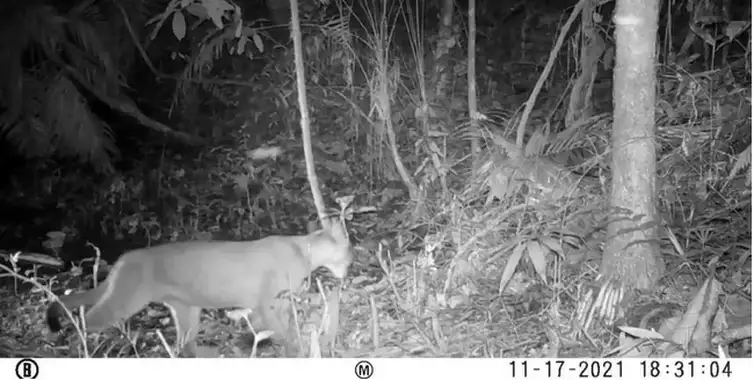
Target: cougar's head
(332,249)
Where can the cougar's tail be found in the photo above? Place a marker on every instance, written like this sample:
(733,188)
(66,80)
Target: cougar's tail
(54,313)
(92,297)
(56,310)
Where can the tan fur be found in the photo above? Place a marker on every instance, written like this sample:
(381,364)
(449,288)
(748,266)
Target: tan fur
(196,275)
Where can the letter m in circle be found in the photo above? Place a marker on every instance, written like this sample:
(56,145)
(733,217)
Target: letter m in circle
(364,370)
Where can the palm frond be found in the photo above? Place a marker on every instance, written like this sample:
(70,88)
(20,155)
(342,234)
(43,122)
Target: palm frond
(40,42)
(77,132)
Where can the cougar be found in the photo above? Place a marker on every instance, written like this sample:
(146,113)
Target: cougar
(190,276)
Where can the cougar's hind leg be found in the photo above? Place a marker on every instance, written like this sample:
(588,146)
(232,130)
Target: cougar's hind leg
(276,315)
(126,293)
(186,319)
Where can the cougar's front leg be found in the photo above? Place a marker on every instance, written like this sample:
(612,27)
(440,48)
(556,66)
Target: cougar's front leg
(186,319)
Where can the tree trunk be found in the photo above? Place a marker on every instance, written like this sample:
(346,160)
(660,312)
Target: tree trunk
(631,254)
(280,11)
(280,16)
(446,41)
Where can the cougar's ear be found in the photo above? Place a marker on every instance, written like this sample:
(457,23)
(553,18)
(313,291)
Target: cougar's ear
(335,228)
(338,230)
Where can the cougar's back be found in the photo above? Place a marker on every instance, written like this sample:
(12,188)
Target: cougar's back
(218,274)
(211,274)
